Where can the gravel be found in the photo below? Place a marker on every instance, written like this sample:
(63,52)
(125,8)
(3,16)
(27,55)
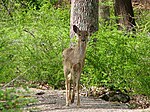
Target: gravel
(54,101)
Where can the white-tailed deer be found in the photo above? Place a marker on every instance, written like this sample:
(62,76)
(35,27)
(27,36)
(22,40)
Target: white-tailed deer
(73,62)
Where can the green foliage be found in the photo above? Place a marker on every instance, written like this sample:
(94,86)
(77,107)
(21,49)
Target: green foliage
(32,41)
(10,100)
(118,61)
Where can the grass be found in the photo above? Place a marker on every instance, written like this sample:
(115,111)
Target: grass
(12,100)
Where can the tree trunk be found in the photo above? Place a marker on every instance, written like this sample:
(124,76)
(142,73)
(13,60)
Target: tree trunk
(84,14)
(125,15)
(104,11)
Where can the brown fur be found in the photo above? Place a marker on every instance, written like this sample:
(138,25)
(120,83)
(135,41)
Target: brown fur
(73,62)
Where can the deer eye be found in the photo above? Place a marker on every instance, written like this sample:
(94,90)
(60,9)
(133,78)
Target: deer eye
(79,34)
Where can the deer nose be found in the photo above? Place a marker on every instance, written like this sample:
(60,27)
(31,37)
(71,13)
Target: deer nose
(83,40)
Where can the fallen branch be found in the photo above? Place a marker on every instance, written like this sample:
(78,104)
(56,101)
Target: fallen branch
(29,32)
(15,78)
(37,104)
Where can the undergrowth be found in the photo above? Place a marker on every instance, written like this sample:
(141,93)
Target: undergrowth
(12,100)
(32,41)
(118,61)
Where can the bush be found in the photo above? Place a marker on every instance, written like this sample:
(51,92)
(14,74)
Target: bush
(12,100)
(32,42)
(118,61)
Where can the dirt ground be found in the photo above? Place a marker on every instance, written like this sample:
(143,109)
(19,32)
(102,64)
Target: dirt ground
(54,101)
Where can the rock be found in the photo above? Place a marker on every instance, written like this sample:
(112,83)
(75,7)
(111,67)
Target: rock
(40,93)
(115,96)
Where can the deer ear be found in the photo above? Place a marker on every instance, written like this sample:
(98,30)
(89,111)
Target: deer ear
(75,29)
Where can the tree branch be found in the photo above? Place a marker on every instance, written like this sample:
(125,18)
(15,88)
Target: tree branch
(16,78)
(4,5)
(29,32)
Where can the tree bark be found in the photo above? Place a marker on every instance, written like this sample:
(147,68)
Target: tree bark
(104,11)
(125,15)
(84,14)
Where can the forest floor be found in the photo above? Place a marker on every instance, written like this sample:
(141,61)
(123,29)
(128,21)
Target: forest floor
(54,101)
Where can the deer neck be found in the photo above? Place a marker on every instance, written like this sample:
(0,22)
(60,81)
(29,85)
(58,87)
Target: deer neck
(81,49)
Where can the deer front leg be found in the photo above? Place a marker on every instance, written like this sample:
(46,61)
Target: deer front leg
(69,88)
(78,96)
(66,72)
(66,84)
(73,91)
(77,86)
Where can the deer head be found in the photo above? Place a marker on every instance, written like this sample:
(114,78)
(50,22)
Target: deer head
(82,38)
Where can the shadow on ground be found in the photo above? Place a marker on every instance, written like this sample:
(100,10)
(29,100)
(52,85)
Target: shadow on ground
(54,100)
